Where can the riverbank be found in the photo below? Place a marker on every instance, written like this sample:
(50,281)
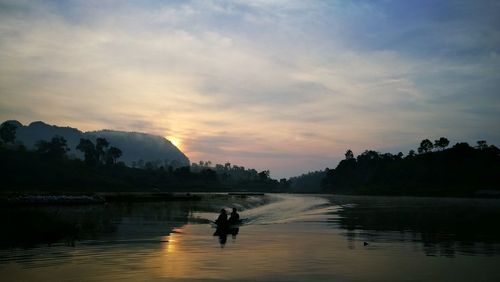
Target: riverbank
(74,198)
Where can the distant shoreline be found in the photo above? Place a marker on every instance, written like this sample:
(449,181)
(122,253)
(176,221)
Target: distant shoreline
(41,198)
(77,198)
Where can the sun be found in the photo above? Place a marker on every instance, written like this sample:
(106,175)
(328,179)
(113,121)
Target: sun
(175,141)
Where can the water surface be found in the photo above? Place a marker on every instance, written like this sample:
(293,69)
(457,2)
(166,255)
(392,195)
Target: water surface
(285,238)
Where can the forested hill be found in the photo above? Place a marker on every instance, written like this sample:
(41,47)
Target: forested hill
(48,167)
(435,171)
(137,148)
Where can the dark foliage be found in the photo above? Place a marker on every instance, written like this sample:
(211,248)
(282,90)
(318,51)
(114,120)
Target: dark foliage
(112,154)
(441,143)
(98,153)
(239,178)
(48,169)
(7,132)
(425,146)
(89,151)
(458,171)
(56,148)
(308,182)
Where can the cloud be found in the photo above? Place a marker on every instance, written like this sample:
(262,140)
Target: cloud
(258,83)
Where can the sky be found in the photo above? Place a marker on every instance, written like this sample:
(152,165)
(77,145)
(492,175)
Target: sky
(282,85)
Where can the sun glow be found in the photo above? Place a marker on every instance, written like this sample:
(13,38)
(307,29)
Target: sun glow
(175,141)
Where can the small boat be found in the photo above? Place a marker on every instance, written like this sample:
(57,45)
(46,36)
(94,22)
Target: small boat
(229,228)
(229,224)
(226,231)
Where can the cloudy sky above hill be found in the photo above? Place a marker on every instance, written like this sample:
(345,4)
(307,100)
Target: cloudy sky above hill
(280,85)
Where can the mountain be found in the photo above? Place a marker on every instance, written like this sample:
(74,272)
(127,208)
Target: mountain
(137,148)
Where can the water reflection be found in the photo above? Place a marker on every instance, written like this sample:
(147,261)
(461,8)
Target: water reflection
(47,225)
(442,227)
(299,238)
(30,226)
(223,232)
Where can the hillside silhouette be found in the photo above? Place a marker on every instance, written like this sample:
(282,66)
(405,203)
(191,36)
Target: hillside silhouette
(138,148)
(50,166)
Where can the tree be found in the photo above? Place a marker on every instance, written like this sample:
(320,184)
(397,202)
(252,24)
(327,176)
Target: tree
(425,146)
(89,151)
(411,154)
(8,132)
(55,148)
(493,150)
(441,143)
(368,155)
(462,147)
(264,175)
(482,145)
(112,155)
(284,183)
(208,174)
(349,155)
(100,145)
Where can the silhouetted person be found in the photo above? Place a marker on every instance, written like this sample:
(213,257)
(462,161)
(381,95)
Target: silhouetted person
(235,217)
(223,226)
(222,219)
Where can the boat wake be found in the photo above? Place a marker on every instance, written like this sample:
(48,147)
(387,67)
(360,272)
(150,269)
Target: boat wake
(289,208)
(280,209)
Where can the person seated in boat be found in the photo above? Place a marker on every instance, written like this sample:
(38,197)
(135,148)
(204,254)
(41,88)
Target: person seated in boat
(235,217)
(222,219)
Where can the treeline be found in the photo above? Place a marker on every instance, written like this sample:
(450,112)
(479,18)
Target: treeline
(435,170)
(48,168)
(308,182)
(247,178)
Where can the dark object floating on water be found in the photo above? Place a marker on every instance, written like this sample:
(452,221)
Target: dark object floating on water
(228,228)
(226,231)
(229,224)
(223,230)
(365,244)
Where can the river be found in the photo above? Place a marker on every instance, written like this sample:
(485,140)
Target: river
(284,238)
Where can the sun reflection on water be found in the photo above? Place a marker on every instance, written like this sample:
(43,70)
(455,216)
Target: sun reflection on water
(173,239)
